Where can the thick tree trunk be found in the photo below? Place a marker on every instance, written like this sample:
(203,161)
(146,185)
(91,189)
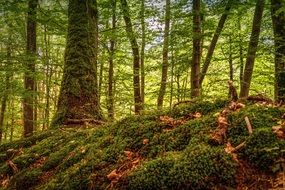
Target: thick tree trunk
(142,52)
(111,65)
(136,57)
(196,55)
(214,41)
(164,56)
(278,20)
(252,48)
(29,78)
(78,97)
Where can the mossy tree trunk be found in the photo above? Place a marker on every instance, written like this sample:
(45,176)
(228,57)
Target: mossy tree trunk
(252,48)
(136,58)
(164,56)
(78,97)
(29,77)
(278,20)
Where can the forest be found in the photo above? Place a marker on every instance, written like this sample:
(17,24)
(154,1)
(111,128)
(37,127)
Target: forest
(142,94)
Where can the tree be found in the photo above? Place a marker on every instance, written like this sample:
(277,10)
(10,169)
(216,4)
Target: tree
(164,56)
(136,58)
(78,97)
(142,52)
(214,41)
(196,54)
(29,80)
(111,65)
(252,48)
(278,20)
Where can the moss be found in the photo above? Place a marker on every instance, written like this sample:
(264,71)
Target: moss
(198,167)
(25,179)
(262,149)
(260,117)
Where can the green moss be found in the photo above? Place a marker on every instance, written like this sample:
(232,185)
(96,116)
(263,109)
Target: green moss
(25,179)
(262,149)
(198,167)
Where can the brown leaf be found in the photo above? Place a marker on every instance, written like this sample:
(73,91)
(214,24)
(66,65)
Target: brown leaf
(145,141)
(129,154)
(222,120)
(113,175)
(197,115)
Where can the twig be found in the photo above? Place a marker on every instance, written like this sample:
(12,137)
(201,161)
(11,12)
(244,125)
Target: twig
(238,147)
(248,125)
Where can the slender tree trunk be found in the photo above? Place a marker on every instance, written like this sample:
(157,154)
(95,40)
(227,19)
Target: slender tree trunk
(8,76)
(172,78)
(278,20)
(164,57)
(252,48)
(142,52)
(240,53)
(48,76)
(29,78)
(136,57)
(214,41)
(111,65)
(78,97)
(196,55)
(231,73)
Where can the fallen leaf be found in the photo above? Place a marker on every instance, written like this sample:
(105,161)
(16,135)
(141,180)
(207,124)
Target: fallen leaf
(145,141)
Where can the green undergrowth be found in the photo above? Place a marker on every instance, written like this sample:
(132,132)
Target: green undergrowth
(174,157)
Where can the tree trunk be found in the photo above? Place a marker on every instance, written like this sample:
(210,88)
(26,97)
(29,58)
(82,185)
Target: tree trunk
(278,20)
(164,56)
(111,65)
(231,70)
(29,78)
(214,41)
(252,48)
(78,97)
(142,52)
(196,55)
(136,57)
(240,52)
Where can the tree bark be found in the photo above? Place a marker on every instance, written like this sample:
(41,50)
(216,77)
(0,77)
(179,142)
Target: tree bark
(278,20)
(143,52)
(111,65)
(136,57)
(252,48)
(164,56)
(196,55)
(29,78)
(214,41)
(78,97)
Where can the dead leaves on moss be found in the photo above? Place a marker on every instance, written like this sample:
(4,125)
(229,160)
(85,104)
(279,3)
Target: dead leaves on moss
(172,123)
(132,161)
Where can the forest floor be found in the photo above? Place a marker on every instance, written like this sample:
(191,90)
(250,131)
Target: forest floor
(202,145)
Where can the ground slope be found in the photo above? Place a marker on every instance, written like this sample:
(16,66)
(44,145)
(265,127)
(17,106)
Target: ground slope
(166,150)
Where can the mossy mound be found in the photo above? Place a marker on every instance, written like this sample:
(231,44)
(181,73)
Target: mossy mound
(162,154)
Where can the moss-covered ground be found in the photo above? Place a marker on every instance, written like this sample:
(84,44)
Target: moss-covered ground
(151,152)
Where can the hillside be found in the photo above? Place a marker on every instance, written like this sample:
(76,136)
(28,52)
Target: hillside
(180,149)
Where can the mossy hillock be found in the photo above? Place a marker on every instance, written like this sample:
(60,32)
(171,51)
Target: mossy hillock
(165,150)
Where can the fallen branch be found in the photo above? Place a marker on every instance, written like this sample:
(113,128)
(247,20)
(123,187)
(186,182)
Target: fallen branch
(248,125)
(84,121)
(239,147)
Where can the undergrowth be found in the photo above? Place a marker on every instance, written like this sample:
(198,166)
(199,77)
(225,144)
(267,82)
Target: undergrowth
(170,157)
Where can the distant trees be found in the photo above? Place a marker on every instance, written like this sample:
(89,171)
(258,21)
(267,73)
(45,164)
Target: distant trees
(78,97)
